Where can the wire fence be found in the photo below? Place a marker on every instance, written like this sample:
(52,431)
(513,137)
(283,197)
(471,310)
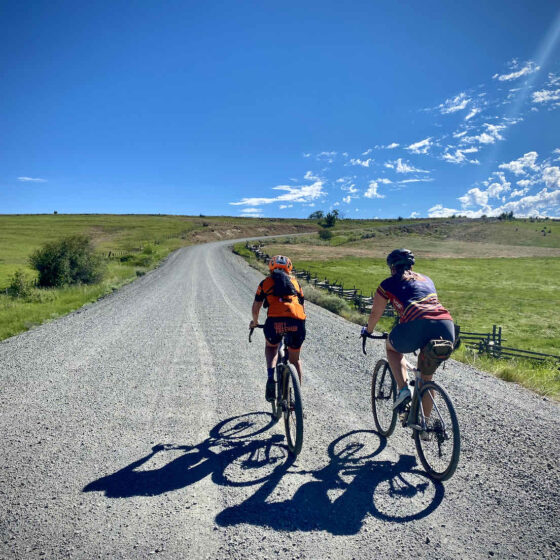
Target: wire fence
(488,343)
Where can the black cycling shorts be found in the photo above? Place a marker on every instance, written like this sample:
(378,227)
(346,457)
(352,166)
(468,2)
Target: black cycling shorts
(408,337)
(294,329)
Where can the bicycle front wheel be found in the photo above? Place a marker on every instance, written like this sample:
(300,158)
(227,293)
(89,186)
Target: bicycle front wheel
(293,410)
(439,444)
(383,395)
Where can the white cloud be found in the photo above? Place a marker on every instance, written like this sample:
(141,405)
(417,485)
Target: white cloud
(392,146)
(372,191)
(252,212)
(474,111)
(284,206)
(384,181)
(496,187)
(457,103)
(551,177)
(361,162)
(428,180)
(306,155)
(459,156)
(403,167)
(439,211)
(299,194)
(31,180)
(310,177)
(414,215)
(474,197)
(529,68)
(489,136)
(517,167)
(420,147)
(459,134)
(367,152)
(347,199)
(519,192)
(546,95)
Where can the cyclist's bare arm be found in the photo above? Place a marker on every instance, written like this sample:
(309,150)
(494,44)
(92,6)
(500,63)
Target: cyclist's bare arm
(379,304)
(255,310)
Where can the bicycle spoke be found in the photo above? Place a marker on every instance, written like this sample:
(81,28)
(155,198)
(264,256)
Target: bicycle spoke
(438,443)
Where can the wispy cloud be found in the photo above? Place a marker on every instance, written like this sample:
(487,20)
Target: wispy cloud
(296,194)
(420,147)
(529,68)
(361,162)
(459,156)
(546,96)
(489,136)
(416,180)
(401,166)
(473,113)
(252,212)
(454,104)
(31,180)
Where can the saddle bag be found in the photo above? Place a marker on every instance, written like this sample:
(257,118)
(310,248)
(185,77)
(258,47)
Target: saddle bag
(433,354)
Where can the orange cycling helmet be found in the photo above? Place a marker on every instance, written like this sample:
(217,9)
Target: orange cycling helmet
(280,262)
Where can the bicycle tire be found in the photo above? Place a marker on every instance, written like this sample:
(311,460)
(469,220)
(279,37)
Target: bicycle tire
(293,410)
(275,405)
(444,468)
(383,395)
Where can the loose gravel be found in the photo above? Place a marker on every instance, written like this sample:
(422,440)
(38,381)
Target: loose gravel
(137,426)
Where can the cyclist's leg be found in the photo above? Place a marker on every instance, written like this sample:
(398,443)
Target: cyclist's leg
(427,401)
(398,364)
(294,341)
(271,354)
(293,357)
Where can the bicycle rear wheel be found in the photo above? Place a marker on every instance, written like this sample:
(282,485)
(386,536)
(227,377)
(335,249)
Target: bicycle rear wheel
(293,410)
(275,405)
(383,395)
(439,445)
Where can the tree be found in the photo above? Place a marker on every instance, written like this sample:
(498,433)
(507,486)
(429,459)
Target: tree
(318,215)
(330,219)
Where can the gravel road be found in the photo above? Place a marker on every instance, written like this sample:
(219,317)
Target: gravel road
(138,426)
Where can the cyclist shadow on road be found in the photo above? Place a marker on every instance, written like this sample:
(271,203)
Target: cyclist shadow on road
(344,492)
(232,455)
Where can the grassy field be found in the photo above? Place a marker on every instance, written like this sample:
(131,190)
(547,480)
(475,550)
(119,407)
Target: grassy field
(486,271)
(140,241)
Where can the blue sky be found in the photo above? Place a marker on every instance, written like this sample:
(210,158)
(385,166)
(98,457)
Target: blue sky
(258,108)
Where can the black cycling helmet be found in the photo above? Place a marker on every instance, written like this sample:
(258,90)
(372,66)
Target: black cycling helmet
(400,257)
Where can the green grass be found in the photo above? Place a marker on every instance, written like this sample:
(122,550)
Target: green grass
(517,294)
(143,240)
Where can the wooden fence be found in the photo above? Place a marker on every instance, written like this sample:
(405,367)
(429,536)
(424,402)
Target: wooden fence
(489,343)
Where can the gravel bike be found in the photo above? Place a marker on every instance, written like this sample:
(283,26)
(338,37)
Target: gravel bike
(288,401)
(436,435)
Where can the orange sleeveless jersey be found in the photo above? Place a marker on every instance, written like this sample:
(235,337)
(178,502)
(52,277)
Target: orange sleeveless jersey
(286,306)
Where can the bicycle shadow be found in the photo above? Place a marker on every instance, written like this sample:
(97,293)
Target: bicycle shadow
(217,457)
(390,491)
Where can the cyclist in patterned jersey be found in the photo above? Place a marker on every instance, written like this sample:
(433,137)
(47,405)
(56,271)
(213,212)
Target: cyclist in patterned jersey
(282,295)
(422,316)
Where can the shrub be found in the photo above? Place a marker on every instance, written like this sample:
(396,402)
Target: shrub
(20,286)
(325,234)
(70,260)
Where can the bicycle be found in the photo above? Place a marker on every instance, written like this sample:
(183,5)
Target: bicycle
(288,402)
(437,439)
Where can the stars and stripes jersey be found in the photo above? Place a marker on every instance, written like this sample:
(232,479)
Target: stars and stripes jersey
(413,297)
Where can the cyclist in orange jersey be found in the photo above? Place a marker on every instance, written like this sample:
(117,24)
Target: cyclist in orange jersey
(282,296)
